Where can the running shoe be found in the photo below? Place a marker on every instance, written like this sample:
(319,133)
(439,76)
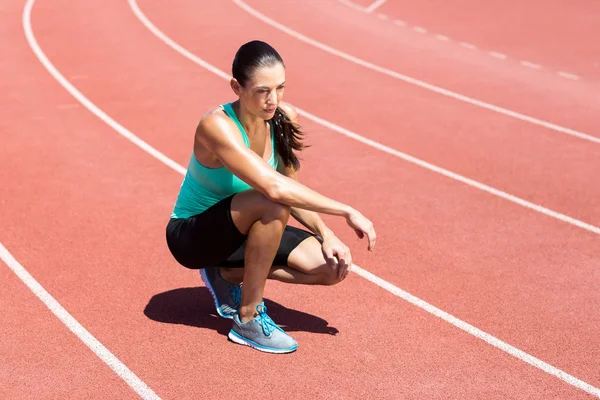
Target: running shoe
(261,333)
(226,295)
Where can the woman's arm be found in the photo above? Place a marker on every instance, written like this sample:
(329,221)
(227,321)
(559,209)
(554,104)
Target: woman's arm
(312,221)
(217,135)
(309,219)
(336,253)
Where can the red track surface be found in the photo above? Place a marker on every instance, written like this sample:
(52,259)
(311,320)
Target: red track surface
(84,210)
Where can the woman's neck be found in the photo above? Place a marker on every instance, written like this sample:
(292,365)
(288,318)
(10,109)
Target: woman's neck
(251,123)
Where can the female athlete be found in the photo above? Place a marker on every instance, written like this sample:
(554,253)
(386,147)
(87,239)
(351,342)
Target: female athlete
(241,186)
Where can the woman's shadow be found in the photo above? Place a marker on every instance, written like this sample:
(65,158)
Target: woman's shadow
(194,306)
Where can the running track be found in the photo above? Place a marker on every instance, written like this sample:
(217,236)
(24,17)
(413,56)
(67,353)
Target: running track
(83,210)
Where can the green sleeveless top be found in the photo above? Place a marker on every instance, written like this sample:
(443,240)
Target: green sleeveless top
(203,187)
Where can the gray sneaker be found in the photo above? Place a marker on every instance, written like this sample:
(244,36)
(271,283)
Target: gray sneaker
(227,296)
(262,333)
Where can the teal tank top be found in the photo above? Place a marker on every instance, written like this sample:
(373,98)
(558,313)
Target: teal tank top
(203,187)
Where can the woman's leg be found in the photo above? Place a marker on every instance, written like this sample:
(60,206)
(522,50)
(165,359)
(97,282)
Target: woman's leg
(264,222)
(306,265)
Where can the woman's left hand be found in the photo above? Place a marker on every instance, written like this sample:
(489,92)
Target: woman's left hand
(337,255)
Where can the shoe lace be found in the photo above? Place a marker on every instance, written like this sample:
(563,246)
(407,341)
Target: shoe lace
(267,324)
(235,291)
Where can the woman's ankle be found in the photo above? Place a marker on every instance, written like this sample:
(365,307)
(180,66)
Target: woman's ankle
(247,313)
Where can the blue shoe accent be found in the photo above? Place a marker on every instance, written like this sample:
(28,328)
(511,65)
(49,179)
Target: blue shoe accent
(235,292)
(267,324)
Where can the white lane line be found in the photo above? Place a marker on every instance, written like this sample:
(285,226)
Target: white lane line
(353,5)
(530,65)
(442,38)
(492,340)
(74,326)
(399,22)
(81,98)
(468,45)
(452,175)
(105,355)
(568,75)
(382,16)
(365,274)
(500,56)
(376,4)
(464,44)
(413,81)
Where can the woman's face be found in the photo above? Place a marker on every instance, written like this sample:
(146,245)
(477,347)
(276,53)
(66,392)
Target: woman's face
(263,91)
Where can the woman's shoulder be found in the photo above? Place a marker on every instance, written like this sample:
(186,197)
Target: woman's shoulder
(212,121)
(214,129)
(289,110)
(214,114)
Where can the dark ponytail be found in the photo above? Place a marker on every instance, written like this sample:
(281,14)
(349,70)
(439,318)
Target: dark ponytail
(249,57)
(287,138)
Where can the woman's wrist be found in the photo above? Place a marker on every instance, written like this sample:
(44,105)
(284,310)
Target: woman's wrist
(348,211)
(326,233)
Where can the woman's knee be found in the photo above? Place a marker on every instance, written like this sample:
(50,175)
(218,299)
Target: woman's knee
(277,211)
(251,206)
(330,276)
(308,258)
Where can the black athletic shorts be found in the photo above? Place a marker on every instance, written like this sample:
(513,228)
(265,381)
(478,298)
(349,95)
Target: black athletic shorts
(211,239)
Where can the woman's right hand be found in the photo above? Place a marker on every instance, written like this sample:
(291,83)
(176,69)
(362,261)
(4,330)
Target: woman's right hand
(362,226)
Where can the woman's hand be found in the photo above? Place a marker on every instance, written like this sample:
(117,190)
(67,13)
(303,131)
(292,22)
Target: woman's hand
(362,226)
(337,255)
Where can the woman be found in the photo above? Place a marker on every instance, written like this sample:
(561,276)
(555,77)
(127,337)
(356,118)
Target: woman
(230,218)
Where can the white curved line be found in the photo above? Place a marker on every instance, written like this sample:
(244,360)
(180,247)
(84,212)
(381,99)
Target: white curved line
(74,326)
(60,312)
(376,4)
(83,100)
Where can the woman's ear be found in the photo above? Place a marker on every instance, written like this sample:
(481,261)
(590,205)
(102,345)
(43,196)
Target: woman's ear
(235,86)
